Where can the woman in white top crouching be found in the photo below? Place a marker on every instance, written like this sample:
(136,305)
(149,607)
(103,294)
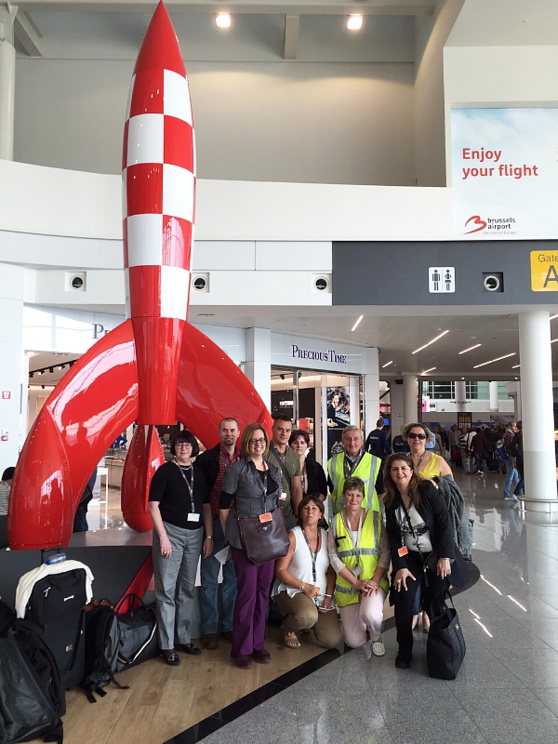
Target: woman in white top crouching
(305,581)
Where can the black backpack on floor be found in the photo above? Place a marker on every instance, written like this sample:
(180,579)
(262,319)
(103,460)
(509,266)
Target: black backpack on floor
(32,699)
(56,605)
(102,641)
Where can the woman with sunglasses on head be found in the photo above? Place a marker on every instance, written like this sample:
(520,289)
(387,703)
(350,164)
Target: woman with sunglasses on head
(251,488)
(179,509)
(419,533)
(312,476)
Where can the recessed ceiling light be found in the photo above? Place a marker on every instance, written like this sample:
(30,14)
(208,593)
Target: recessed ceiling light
(428,370)
(430,342)
(223,20)
(360,317)
(476,346)
(387,364)
(354,22)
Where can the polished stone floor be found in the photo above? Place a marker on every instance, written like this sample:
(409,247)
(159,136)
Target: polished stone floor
(507,688)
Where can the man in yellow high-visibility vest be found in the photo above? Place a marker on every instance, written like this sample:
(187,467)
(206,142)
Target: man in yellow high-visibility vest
(354,461)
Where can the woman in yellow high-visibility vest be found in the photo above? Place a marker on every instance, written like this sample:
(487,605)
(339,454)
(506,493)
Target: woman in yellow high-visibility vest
(359,552)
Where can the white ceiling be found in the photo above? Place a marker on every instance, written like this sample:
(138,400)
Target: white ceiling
(315,30)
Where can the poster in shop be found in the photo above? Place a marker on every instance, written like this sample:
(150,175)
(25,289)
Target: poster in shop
(338,415)
(504,173)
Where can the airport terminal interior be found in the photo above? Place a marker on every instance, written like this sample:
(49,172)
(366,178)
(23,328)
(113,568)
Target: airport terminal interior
(374,192)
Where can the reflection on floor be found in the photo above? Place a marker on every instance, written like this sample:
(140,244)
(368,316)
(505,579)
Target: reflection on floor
(507,689)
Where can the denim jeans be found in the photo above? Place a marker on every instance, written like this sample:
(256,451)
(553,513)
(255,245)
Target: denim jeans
(512,476)
(209,596)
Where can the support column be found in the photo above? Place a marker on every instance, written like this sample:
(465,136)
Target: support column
(410,393)
(397,401)
(258,361)
(493,396)
(7,81)
(14,372)
(538,418)
(371,390)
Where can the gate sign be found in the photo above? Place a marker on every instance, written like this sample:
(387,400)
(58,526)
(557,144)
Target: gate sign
(544,271)
(441,279)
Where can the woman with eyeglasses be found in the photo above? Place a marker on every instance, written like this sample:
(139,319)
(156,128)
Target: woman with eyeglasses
(180,511)
(251,488)
(421,544)
(428,465)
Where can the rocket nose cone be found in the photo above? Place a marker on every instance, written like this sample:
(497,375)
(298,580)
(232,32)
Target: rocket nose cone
(160,48)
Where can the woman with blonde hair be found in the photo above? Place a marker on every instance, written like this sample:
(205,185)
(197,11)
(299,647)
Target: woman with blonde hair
(251,489)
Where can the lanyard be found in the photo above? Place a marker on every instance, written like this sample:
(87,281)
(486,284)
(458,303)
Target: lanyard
(348,528)
(350,467)
(411,528)
(313,555)
(189,486)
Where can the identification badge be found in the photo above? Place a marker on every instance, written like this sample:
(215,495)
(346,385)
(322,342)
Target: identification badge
(357,570)
(402,551)
(264,518)
(192,517)
(283,496)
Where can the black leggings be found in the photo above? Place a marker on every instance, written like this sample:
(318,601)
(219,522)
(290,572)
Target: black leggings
(404,601)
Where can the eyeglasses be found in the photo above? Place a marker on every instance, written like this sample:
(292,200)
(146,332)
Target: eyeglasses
(413,435)
(256,441)
(183,444)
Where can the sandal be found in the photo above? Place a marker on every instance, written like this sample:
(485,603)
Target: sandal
(290,640)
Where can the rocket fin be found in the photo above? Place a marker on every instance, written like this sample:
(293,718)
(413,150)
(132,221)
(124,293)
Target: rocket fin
(211,387)
(145,455)
(93,403)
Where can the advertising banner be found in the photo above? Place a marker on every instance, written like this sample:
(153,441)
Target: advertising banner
(505,173)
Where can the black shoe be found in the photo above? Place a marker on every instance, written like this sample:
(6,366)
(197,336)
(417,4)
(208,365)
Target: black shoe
(227,635)
(210,641)
(171,657)
(188,648)
(402,663)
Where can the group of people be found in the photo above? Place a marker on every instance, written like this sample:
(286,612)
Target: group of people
(332,580)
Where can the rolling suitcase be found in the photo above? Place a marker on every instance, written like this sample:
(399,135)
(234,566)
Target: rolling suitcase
(54,597)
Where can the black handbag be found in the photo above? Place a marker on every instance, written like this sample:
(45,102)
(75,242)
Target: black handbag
(445,648)
(264,541)
(138,633)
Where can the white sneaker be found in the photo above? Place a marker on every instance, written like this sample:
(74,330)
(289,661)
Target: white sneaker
(378,648)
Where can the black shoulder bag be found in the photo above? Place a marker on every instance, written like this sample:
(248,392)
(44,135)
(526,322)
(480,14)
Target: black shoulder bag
(264,538)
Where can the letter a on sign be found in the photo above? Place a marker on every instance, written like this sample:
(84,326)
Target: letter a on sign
(551,276)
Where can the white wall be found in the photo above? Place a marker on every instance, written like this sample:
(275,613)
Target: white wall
(56,202)
(305,122)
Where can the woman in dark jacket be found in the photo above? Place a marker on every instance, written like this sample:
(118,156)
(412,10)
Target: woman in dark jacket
(251,488)
(312,474)
(418,530)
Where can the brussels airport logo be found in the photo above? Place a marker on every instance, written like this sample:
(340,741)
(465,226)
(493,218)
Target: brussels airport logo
(490,225)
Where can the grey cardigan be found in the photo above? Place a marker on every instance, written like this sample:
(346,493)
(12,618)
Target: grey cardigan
(244,484)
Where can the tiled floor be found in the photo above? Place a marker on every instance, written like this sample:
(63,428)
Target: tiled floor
(507,689)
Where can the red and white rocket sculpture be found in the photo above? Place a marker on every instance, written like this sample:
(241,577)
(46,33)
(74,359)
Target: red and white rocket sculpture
(155,368)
